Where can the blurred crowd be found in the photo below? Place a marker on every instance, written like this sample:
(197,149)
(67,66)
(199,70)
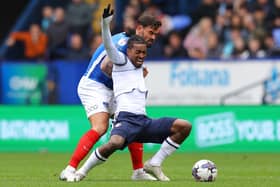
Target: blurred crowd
(64,32)
(209,29)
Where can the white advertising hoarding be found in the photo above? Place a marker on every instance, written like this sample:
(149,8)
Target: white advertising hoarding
(210,82)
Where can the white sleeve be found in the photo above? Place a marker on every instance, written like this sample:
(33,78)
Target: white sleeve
(114,54)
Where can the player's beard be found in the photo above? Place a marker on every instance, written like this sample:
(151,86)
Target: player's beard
(149,43)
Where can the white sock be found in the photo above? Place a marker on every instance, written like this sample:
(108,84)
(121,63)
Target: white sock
(166,149)
(93,160)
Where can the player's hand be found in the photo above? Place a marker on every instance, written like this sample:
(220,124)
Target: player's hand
(145,71)
(107,12)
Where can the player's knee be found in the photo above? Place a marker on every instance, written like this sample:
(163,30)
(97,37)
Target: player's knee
(116,142)
(183,127)
(187,127)
(100,128)
(99,122)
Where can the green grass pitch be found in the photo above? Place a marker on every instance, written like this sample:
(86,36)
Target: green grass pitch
(234,170)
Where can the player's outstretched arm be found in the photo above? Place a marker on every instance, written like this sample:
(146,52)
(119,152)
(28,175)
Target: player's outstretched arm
(113,53)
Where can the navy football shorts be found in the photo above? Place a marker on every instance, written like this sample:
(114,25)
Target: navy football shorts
(140,128)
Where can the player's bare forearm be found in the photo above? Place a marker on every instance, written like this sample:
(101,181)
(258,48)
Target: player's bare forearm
(107,66)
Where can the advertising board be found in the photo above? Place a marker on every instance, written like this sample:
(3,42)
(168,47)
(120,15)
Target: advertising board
(213,83)
(23,83)
(215,128)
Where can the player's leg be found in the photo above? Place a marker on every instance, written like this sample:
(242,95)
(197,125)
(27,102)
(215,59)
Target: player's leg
(130,131)
(99,156)
(93,96)
(180,129)
(171,132)
(136,155)
(99,124)
(86,142)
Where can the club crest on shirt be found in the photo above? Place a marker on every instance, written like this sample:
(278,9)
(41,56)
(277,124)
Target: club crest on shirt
(122,41)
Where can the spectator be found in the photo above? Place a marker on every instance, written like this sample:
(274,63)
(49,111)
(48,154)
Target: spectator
(265,4)
(276,31)
(207,8)
(236,21)
(47,17)
(239,49)
(79,17)
(249,26)
(214,47)
(270,47)
(269,42)
(95,41)
(241,8)
(259,19)
(225,18)
(271,39)
(274,10)
(76,49)
(57,34)
(220,27)
(35,42)
(169,23)
(132,10)
(229,43)
(254,48)
(174,47)
(195,41)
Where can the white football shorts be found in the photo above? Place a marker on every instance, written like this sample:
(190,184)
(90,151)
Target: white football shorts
(96,97)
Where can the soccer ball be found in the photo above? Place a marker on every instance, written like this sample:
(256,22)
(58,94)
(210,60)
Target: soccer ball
(204,171)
